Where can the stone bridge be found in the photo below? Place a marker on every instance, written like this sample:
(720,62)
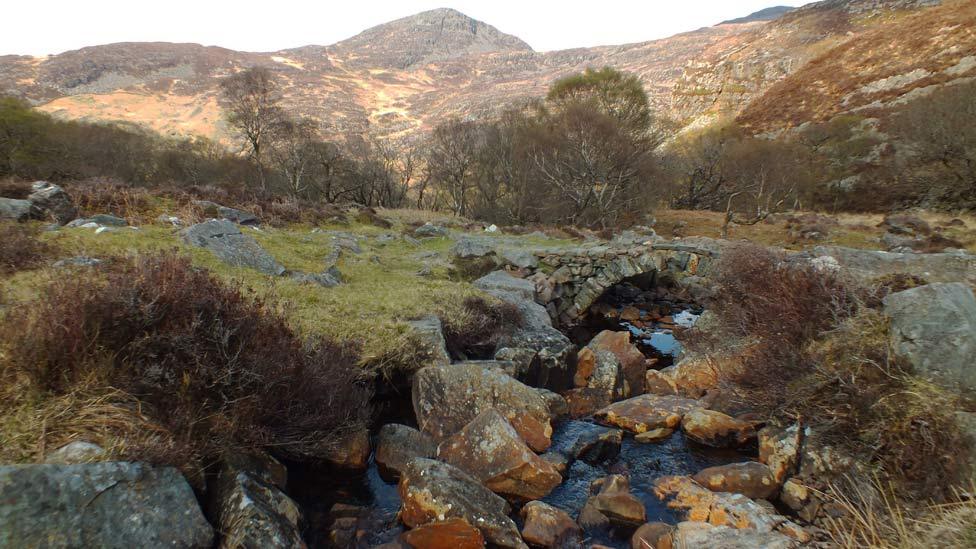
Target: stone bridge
(569,280)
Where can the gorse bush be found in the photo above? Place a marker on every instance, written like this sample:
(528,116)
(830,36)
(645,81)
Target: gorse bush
(216,367)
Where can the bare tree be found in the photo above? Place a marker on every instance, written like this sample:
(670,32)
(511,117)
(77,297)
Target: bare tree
(253,104)
(453,149)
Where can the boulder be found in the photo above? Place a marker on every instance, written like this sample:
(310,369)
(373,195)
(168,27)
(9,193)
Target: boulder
(15,209)
(433,491)
(234,215)
(470,248)
(694,375)
(51,202)
(585,401)
(558,407)
(225,240)
(250,507)
(716,429)
(906,224)
(751,479)
(646,412)
(108,504)
(446,398)
(540,351)
(656,382)
(351,452)
(429,230)
(612,499)
(490,450)
(598,446)
(431,333)
(631,360)
(653,535)
(455,533)
(698,535)
(654,435)
(546,526)
(780,449)
(870,265)
(933,327)
(102,220)
(520,259)
(396,445)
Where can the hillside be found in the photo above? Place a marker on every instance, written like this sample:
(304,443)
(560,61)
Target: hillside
(407,75)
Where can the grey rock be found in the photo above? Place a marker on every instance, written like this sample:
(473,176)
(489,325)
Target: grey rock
(598,446)
(101,219)
(326,279)
(77,261)
(934,328)
(431,332)
(49,201)
(396,445)
(429,230)
(251,509)
(225,240)
(79,451)
(695,535)
(109,504)
(468,248)
(868,264)
(15,209)
(231,214)
(522,259)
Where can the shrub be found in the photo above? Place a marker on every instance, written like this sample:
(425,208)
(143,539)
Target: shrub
(215,366)
(478,329)
(20,247)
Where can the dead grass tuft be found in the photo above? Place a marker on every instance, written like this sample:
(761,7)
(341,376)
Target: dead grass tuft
(20,247)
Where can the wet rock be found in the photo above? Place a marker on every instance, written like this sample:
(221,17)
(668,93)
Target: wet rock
(431,333)
(429,230)
(780,449)
(433,491)
(396,445)
(446,398)
(656,382)
(933,327)
(540,351)
(646,412)
(225,240)
(51,202)
(631,360)
(585,401)
(15,209)
(455,533)
(653,535)
(108,504)
(751,479)
(250,506)
(351,452)
(546,526)
(598,446)
(698,535)
(716,429)
(558,460)
(490,450)
(654,435)
(233,215)
(79,451)
(613,500)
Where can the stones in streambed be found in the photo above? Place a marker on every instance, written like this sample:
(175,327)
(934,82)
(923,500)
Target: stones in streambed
(630,364)
(226,241)
(697,535)
(546,526)
(540,351)
(351,451)
(251,509)
(108,504)
(431,334)
(933,327)
(646,412)
(653,535)
(455,533)
(432,491)
(751,479)
(716,429)
(448,397)
(396,445)
(779,449)
(240,217)
(598,446)
(699,504)
(611,499)
(490,450)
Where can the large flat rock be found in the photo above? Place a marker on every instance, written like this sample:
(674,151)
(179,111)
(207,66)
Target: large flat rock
(646,412)
(225,240)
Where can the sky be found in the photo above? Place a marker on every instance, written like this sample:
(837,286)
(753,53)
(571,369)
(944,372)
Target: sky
(271,25)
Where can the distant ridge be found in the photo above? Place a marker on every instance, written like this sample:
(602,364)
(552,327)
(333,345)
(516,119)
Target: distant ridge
(767,14)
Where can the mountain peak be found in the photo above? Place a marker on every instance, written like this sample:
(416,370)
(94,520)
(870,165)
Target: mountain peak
(433,35)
